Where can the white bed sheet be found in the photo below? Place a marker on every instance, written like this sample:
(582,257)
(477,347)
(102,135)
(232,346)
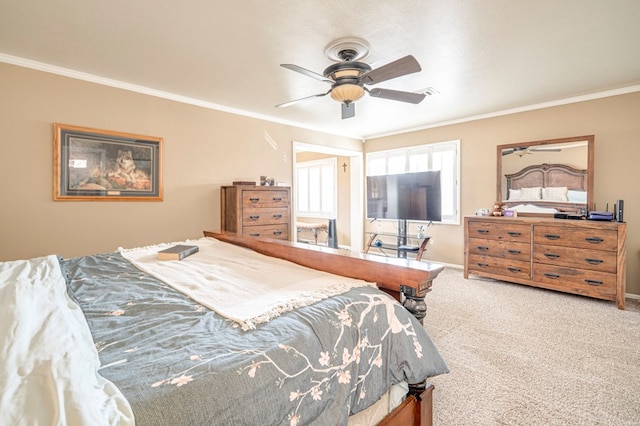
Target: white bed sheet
(48,362)
(532,208)
(374,414)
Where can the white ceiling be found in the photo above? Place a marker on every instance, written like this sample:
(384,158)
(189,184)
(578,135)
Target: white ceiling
(482,56)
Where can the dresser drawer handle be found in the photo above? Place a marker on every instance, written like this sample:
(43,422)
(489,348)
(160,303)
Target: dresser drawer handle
(514,270)
(254,217)
(593,282)
(482,265)
(594,240)
(514,251)
(514,234)
(277,199)
(551,255)
(277,232)
(254,234)
(254,199)
(552,276)
(593,261)
(552,236)
(483,231)
(277,216)
(482,248)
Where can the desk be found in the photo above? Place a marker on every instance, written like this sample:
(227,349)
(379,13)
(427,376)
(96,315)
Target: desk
(399,248)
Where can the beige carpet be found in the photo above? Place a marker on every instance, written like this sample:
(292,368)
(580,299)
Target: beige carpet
(525,356)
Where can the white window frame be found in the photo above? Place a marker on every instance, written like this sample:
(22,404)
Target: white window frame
(400,161)
(325,197)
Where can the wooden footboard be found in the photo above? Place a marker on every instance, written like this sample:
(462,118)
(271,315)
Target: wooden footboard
(415,410)
(395,276)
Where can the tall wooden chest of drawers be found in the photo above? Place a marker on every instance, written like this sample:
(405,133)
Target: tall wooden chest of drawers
(573,256)
(257,211)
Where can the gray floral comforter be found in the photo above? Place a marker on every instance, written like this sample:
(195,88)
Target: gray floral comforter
(178,363)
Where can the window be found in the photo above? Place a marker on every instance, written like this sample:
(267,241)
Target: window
(316,190)
(441,156)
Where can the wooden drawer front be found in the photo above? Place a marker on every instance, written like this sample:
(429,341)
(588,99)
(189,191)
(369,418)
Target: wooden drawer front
(595,260)
(506,267)
(502,249)
(280,232)
(255,216)
(264,199)
(576,237)
(581,281)
(500,231)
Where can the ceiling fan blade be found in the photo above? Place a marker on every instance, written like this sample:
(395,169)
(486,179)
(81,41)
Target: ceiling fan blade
(545,149)
(397,95)
(397,68)
(306,72)
(348,110)
(286,104)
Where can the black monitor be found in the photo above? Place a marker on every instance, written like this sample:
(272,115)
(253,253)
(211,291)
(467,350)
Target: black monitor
(406,196)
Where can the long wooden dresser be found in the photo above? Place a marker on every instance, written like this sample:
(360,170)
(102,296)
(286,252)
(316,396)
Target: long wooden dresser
(256,211)
(574,256)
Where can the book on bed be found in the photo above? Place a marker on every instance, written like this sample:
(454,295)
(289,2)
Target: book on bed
(177,252)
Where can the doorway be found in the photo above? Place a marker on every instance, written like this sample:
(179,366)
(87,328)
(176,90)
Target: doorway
(350,219)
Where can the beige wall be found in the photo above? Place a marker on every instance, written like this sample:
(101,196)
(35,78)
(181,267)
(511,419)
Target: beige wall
(204,149)
(616,125)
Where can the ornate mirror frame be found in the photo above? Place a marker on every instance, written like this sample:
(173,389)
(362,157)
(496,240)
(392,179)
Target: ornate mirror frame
(579,175)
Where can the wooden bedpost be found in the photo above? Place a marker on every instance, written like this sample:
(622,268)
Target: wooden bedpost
(414,302)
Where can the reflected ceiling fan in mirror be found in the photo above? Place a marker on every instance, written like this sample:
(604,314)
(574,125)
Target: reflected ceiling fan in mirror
(349,77)
(522,150)
(530,149)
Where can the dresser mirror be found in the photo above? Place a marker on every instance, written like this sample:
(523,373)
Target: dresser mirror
(547,176)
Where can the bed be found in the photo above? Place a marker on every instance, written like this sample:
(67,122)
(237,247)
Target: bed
(118,345)
(547,189)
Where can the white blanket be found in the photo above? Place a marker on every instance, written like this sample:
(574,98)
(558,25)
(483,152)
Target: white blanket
(48,362)
(238,283)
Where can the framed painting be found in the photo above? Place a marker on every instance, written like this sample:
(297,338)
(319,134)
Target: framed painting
(102,165)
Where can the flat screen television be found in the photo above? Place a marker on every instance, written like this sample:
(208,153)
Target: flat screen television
(406,196)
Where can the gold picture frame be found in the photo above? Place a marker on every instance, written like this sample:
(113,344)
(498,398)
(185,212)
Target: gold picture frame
(103,165)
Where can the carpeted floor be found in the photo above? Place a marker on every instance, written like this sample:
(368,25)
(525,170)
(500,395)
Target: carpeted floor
(525,356)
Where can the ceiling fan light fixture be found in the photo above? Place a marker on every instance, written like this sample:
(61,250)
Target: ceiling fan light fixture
(351,70)
(354,73)
(347,93)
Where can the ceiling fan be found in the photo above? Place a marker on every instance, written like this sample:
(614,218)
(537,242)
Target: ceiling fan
(349,77)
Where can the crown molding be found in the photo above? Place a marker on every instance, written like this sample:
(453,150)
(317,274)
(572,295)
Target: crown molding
(53,69)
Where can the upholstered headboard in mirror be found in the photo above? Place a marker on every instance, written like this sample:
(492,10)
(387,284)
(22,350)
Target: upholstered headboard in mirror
(556,186)
(547,176)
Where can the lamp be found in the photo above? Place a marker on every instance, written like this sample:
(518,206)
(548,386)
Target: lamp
(347,92)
